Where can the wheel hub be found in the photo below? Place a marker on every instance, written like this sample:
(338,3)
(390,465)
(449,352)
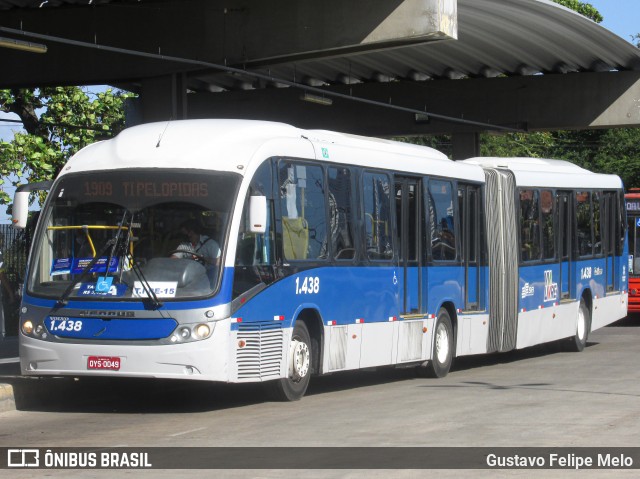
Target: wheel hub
(442,344)
(299,360)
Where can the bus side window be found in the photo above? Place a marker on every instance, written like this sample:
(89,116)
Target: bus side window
(547,203)
(441,221)
(302,202)
(530,225)
(583,218)
(377,216)
(597,229)
(340,194)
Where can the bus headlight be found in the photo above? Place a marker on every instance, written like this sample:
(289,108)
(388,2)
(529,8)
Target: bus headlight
(201,331)
(27,327)
(189,333)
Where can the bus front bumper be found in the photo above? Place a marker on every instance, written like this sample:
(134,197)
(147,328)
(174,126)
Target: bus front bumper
(199,360)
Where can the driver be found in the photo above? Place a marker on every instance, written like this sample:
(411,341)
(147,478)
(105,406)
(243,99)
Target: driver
(198,244)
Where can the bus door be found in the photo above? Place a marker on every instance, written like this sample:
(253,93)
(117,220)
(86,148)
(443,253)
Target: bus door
(471,227)
(408,214)
(565,250)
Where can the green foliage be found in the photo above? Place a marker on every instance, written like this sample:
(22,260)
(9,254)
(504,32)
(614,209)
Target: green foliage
(583,8)
(614,151)
(58,122)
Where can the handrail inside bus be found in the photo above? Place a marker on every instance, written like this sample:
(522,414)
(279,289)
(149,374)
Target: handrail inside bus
(86,229)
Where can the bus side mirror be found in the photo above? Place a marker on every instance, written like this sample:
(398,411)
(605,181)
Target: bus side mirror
(258,214)
(20,209)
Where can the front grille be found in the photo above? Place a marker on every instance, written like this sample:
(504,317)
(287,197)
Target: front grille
(261,356)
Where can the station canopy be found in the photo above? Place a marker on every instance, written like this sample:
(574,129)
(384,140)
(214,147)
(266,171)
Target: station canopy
(467,65)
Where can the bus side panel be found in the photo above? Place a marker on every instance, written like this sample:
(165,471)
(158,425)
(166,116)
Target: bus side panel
(473,334)
(355,305)
(608,310)
(541,316)
(445,284)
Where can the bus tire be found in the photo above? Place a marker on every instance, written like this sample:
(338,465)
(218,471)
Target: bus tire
(442,360)
(295,385)
(578,342)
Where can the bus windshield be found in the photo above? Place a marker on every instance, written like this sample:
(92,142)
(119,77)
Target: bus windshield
(134,235)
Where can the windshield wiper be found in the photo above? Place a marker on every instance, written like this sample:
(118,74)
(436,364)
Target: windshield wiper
(112,243)
(151,295)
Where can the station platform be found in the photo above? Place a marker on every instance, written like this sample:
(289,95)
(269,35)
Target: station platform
(9,366)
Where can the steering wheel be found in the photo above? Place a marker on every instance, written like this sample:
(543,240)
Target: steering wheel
(189,255)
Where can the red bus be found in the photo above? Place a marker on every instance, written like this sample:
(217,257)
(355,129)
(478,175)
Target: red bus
(633,218)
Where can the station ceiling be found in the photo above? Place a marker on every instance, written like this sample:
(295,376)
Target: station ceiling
(128,42)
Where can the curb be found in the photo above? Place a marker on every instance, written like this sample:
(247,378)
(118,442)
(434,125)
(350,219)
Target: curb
(7,399)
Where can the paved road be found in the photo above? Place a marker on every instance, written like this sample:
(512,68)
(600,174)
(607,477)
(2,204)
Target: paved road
(537,397)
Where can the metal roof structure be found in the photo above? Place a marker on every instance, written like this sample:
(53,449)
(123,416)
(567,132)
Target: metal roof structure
(208,48)
(511,37)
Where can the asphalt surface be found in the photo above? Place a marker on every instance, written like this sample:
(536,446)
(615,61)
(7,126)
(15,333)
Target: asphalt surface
(537,397)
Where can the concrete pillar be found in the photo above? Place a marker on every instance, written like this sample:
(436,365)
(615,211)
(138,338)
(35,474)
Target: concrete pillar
(163,98)
(465,145)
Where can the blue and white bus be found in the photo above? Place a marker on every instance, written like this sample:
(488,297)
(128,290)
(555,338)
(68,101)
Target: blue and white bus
(336,252)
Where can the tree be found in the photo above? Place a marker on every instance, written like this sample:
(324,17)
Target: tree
(58,122)
(582,8)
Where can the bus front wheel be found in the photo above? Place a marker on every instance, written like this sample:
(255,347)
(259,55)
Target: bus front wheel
(295,385)
(442,359)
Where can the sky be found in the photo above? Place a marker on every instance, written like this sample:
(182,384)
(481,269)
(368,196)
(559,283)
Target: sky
(620,16)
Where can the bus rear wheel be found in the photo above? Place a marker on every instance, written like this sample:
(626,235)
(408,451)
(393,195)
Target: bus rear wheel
(295,385)
(442,360)
(578,342)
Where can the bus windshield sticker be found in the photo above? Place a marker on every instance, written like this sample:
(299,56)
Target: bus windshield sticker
(79,265)
(61,266)
(90,289)
(103,284)
(162,289)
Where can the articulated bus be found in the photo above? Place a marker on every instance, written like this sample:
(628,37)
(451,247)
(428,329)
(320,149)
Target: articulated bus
(336,252)
(633,218)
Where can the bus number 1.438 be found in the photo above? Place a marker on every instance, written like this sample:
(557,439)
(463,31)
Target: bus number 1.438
(310,285)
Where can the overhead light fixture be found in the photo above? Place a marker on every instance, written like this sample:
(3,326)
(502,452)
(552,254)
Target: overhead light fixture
(422,118)
(319,100)
(23,46)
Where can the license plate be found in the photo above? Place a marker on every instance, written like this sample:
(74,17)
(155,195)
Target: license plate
(103,362)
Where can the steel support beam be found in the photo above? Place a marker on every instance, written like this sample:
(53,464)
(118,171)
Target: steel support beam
(543,102)
(235,32)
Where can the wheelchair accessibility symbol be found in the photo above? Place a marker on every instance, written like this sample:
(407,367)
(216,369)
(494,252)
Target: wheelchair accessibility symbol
(103,285)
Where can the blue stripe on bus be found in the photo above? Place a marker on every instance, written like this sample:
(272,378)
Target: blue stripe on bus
(109,329)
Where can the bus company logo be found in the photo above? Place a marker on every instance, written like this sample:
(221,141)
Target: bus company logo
(527,290)
(106,314)
(597,271)
(23,458)
(550,288)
